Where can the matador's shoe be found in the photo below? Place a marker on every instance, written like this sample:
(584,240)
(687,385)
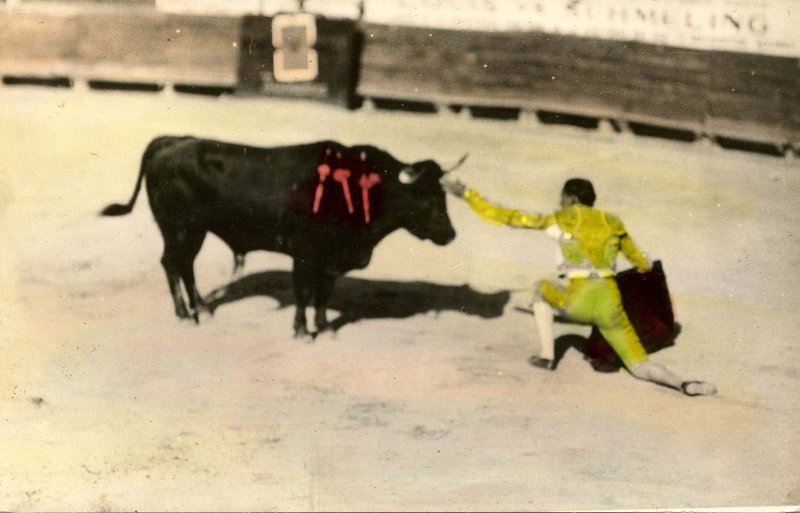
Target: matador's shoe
(542,363)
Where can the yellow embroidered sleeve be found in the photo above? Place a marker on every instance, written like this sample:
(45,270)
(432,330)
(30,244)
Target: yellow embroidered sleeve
(629,249)
(632,253)
(503,216)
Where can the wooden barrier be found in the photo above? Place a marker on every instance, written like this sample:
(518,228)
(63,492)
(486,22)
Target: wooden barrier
(725,94)
(754,96)
(126,46)
(527,70)
(142,49)
(728,94)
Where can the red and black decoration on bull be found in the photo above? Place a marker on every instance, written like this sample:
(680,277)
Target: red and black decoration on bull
(347,188)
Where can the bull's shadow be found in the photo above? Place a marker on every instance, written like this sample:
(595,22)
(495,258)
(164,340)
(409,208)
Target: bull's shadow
(357,298)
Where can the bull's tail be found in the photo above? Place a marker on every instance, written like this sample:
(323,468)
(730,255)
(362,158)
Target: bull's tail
(118,209)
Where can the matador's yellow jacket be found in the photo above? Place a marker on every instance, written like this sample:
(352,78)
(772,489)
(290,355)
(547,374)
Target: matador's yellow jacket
(590,241)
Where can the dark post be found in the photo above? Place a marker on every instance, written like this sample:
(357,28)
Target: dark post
(338,48)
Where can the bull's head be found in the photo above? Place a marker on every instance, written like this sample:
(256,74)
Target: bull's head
(423,205)
(410,174)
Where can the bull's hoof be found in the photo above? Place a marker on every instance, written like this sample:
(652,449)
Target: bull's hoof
(200,313)
(301,332)
(182,312)
(200,306)
(325,335)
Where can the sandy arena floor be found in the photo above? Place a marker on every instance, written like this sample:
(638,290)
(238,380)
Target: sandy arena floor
(109,402)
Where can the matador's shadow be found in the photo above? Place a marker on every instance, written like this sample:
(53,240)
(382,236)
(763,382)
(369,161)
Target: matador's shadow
(357,298)
(601,358)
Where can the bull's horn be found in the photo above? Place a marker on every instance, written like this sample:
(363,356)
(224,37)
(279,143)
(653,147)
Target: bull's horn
(456,165)
(409,175)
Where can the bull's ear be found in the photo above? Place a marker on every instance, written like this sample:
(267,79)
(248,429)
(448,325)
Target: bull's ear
(410,174)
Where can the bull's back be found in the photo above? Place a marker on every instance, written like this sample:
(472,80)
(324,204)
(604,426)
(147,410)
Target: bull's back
(247,195)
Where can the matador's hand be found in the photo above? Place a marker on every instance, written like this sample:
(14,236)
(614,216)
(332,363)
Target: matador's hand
(454,187)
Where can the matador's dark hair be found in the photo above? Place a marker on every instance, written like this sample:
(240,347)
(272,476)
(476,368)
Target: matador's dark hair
(581,189)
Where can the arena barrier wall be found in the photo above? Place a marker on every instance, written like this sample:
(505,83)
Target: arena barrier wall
(139,45)
(145,49)
(721,94)
(725,94)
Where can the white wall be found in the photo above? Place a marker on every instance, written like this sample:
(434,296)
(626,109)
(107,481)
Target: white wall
(331,8)
(755,26)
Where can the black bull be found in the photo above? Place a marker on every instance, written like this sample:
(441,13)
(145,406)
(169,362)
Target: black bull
(266,199)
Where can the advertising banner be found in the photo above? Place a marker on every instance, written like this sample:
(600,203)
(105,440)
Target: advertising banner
(767,27)
(345,9)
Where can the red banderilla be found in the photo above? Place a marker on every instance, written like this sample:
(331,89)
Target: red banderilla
(341,175)
(367,181)
(324,170)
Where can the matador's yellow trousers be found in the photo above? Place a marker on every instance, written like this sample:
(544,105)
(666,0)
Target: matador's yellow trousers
(595,300)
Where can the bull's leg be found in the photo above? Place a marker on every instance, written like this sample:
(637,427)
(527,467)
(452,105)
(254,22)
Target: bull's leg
(238,266)
(323,287)
(302,294)
(190,247)
(196,302)
(173,280)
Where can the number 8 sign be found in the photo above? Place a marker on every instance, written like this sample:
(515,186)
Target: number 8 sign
(293,37)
